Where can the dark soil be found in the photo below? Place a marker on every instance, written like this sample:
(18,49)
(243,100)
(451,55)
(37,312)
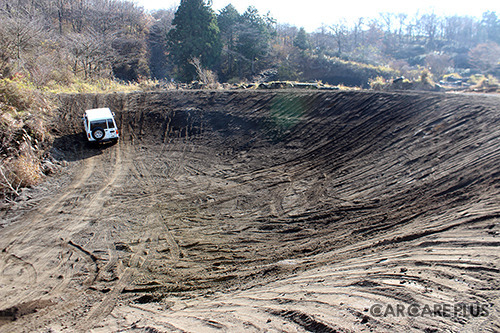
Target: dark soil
(262,210)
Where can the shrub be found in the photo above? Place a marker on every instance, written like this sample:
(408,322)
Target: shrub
(26,169)
(338,71)
(12,94)
(23,134)
(378,83)
(484,83)
(206,77)
(426,78)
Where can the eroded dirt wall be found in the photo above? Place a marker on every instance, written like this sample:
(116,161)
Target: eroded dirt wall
(266,210)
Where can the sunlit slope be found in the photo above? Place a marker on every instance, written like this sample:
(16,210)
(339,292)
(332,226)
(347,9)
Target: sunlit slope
(371,161)
(306,208)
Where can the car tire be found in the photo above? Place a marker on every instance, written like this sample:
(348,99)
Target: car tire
(98,134)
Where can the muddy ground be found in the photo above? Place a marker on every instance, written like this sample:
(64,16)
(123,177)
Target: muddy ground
(281,211)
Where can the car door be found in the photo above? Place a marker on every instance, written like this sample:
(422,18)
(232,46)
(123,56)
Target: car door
(110,130)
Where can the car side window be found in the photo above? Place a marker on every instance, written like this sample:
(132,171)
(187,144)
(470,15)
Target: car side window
(110,123)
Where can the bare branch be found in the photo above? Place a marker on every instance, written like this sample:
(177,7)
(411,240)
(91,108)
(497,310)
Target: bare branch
(5,182)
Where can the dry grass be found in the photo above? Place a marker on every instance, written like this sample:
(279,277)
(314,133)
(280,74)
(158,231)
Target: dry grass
(26,170)
(23,134)
(96,86)
(426,78)
(484,83)
(379,83)
(207,77)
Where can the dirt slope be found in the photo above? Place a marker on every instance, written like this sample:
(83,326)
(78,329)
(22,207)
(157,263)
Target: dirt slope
(262,211)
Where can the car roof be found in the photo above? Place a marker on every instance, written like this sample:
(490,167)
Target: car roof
(97,114)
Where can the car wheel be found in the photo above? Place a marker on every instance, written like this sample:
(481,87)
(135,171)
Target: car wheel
(98,134)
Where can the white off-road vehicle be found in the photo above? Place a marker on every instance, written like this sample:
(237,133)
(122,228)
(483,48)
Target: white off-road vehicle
(100,125)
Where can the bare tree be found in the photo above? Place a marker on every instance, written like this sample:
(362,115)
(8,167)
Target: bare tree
(401,25)
(438,63)
(157,40)
(78,15)
(387,19)
(429,23)
(358,31)
(18,36)
(91,53)
(61,9)
(207,77)
(340,31)
(321,39)
(485,57)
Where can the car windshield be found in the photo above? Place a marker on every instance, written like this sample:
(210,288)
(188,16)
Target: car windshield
(98,124)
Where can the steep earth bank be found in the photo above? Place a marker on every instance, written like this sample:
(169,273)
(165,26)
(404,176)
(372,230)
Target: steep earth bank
(273,211)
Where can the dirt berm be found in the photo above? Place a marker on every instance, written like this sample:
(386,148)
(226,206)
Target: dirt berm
(284,211)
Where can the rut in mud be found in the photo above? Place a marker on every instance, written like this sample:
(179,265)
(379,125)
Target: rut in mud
(281,210)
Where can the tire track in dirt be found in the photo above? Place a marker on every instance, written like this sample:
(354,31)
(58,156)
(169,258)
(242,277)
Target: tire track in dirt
(339,295)
(148,244)
(391,270)
(20,231)
(67,252)
(241,213)
(104,307)
(21,235)
(141,256)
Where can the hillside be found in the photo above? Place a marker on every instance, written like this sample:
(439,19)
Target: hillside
(261,210)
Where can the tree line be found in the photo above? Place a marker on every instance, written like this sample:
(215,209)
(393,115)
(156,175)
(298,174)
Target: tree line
(60,40)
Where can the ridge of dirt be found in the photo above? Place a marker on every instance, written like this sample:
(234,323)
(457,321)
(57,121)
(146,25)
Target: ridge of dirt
(262,211)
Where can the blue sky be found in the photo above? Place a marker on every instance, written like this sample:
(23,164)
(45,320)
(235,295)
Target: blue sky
(311,14)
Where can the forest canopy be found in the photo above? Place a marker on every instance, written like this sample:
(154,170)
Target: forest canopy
(57,42)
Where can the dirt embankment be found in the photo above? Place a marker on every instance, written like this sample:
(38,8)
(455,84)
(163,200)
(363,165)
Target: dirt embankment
(291,211)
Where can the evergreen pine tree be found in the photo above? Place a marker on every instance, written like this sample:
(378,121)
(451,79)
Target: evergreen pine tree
(301,41)
(229,25)
(195,35)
